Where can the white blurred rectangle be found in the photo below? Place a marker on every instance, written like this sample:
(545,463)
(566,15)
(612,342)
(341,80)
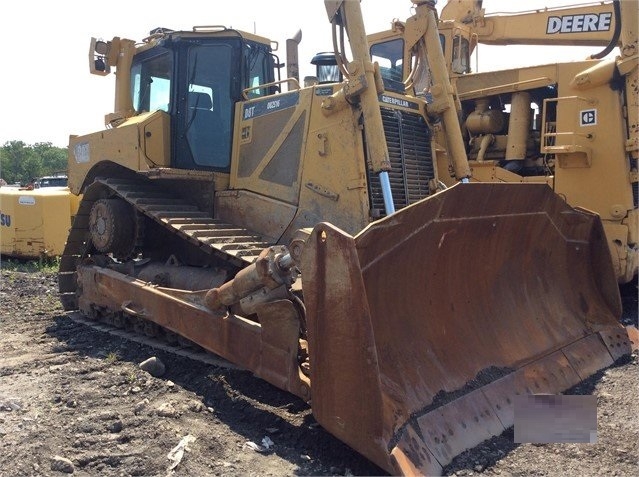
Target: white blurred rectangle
(553,418)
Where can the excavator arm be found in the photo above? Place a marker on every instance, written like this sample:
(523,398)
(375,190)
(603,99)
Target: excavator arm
(362,87)
(592,24)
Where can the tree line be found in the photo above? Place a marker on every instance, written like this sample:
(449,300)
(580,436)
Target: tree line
(21,163)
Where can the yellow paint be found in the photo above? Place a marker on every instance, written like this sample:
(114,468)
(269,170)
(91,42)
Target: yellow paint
(35,223)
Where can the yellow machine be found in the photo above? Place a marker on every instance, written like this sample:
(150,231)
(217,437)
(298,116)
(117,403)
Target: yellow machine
(301,234)
(572,125)
(34,223)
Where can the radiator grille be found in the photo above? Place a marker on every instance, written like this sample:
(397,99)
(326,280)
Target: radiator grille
(408,139)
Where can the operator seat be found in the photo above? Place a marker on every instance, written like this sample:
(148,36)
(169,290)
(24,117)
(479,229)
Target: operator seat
(205,132)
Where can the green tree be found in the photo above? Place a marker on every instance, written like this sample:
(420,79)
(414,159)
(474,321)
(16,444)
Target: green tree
(12,159)
(54,159)
(20,162)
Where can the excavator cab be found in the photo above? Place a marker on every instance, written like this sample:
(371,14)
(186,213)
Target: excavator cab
(400,64)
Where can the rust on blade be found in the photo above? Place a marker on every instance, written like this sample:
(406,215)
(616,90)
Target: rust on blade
(459,425)
(425,326)
(411,457)
(633,336)
(619,343)
(549,375)
(589,355)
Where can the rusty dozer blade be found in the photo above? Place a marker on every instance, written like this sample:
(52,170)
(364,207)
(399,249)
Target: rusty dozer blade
(424,326)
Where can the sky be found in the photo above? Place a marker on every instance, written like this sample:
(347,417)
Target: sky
(47,92)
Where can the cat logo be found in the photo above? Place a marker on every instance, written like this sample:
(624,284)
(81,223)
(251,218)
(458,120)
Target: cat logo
(588,117)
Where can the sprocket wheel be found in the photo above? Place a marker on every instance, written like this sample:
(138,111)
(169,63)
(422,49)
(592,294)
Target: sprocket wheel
(112,224)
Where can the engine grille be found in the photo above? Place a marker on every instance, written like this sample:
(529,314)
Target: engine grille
(408,139)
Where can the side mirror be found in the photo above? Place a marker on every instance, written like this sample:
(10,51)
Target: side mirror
(98,52)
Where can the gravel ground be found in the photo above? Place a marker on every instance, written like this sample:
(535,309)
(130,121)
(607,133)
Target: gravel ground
(73,399)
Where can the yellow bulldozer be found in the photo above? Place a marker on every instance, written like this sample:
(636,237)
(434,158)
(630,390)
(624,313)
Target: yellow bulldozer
(35,220)
(301,233)
(573,125)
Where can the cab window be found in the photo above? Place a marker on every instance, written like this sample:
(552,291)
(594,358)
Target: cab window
(389,55)
(259,68)
(461,55)
(151,82)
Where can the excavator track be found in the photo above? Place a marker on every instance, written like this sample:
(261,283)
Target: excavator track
(232,244)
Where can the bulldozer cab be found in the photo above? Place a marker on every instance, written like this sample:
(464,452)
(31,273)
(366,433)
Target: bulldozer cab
(197,79)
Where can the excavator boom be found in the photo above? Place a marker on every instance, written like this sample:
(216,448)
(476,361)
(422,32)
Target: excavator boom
(588,24)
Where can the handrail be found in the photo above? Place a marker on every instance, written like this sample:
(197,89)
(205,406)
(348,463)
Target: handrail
(296,85)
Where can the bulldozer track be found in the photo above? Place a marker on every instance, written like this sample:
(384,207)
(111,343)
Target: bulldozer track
(231,243)
(205,357)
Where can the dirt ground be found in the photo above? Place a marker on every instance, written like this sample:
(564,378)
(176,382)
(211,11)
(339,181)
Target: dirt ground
(73,399)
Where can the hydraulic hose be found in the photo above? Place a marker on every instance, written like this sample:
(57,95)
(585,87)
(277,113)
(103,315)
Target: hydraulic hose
(615,37)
